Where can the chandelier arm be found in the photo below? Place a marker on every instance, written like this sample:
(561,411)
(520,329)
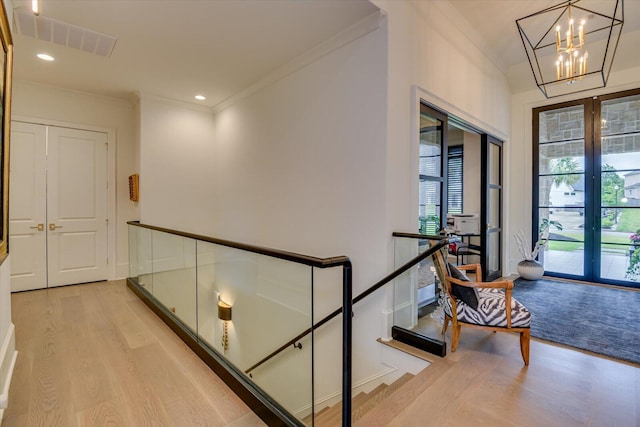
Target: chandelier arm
(549,9)
(602,15)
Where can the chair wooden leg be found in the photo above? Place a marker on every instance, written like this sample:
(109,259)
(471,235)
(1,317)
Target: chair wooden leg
(525,339)
(446,323)
(456,337)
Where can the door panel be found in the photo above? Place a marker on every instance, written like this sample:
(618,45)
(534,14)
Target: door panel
(563,168)
(58,206)
(491,216)
(587,182)
(77,206)
(27,207)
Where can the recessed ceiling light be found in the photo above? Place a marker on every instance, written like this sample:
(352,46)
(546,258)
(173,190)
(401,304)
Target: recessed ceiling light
(200,97)
(45,57)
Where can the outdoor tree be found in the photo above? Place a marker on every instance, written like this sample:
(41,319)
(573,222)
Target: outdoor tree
(566,169)
(610,179)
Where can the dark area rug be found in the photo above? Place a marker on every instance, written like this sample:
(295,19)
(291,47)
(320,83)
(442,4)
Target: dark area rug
(595,318)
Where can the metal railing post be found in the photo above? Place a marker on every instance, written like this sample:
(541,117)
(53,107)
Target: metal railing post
(347,321)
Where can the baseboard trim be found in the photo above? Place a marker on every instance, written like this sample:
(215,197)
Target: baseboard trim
(8,356)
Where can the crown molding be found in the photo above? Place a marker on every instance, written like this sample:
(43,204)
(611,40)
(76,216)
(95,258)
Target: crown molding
(354,32)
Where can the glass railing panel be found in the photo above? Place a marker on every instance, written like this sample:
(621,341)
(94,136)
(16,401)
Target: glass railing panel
(252,309)
(271,303)
(415,291)
(133,252)
(143,256)
(174,275)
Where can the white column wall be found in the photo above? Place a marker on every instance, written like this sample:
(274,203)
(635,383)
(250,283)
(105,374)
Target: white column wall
(428,50)
(7,335)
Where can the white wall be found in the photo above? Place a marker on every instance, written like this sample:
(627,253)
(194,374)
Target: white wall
(323,161)
(428,51)
(177,166)
(7,337)
(35,101)
(298,165)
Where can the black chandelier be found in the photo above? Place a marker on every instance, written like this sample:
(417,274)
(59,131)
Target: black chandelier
(571,46)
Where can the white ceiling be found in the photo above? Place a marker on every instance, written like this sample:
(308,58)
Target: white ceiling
(179,48)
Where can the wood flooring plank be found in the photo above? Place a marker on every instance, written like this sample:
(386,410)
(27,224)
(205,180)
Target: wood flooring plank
(94,355)
(87,356)
(50,402)
(102,415)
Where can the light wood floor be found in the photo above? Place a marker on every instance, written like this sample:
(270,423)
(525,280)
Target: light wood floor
(96,355)
(485,383)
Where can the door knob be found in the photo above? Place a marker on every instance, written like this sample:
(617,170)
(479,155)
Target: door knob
(40,227)
(52,227)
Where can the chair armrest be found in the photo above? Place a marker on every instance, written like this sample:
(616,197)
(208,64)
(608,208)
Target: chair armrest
(476,268)
(499,284)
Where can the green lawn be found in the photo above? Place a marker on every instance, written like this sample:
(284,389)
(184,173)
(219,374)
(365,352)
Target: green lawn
(565,246)
(629,220)
(619,243)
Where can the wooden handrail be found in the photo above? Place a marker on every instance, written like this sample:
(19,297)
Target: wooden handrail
(329,262)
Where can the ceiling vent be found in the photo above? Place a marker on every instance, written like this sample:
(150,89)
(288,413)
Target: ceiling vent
(58,32)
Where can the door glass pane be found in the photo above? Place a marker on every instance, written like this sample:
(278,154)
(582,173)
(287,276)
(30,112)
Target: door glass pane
(565,251)
(621,115)
(620,188)
(430,146)
(494,256)
(558,156)
(494,208)
(430,173)
(429,209)
(562,124)
(561,189)
(494,164)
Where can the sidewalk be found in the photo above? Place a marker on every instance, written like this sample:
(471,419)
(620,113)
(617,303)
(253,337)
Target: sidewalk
(614,266)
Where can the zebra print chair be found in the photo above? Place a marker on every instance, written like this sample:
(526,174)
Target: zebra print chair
(492,299)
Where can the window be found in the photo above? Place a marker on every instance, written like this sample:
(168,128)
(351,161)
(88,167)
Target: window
(455,166)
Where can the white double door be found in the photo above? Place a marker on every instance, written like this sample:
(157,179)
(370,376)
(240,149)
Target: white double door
(57,206)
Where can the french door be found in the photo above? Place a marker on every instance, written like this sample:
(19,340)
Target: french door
(587,187)
(478,192)
(58,205)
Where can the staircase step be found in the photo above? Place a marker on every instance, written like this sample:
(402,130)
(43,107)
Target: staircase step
(360,404)
(375,399)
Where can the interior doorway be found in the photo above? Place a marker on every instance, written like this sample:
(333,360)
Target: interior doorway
(58,206)
(460,182)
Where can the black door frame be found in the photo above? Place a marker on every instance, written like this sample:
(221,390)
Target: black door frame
(486,139)
(485,210)
(593,184)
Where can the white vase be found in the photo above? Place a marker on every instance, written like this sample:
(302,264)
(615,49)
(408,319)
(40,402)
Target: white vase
(530,269)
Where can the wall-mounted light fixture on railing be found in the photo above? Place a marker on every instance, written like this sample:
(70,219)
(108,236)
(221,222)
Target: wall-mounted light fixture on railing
(224,314)
(570,46)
